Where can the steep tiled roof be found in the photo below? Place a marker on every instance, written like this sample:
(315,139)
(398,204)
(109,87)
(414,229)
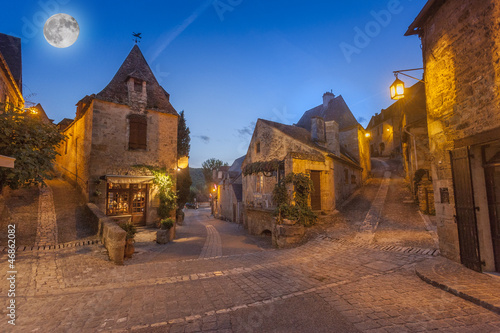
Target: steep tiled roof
(135,66)
(235,169)
(304,136)
(10,47)
(336,110)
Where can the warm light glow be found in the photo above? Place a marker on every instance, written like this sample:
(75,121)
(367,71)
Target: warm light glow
(367,135)
(397,89)
(183,162)
(388,130)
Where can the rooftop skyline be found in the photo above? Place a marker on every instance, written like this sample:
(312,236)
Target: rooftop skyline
(225,63)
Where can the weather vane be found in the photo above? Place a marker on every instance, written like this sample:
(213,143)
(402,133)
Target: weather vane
(137,36)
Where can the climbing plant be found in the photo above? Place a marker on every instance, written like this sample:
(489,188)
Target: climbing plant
(296,207)
(262,167)
(166,189)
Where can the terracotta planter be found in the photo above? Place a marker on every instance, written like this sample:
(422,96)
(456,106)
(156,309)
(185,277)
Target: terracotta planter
(129,248)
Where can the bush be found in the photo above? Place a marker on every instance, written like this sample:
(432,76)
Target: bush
(300,211)
(166,223)
(130,229)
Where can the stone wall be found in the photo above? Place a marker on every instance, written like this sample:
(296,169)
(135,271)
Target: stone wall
(8,88)
(353,140)
(112,236)
(462,95)
(425,195)
(228,206)
(259,220)
(73,161)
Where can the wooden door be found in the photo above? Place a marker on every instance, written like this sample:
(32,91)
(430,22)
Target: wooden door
(316,193)
(138,197)
(492,174)
(465,209)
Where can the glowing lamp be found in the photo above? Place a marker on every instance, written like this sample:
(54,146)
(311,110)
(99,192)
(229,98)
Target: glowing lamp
(367,135)
(397,89)
(183,162)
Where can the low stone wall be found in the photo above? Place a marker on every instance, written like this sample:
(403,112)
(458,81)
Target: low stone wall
(111,235)
(258,220)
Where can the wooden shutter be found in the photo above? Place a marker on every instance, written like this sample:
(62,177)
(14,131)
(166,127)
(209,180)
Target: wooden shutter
(138,126)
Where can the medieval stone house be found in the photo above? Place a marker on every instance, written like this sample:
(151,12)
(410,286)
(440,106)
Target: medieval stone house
(334,173)
(128,124)
(10,80)
(385,131)
(461,56)
(229,198)
(351,134)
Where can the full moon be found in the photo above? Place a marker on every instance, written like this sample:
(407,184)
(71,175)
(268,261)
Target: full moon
(61,30)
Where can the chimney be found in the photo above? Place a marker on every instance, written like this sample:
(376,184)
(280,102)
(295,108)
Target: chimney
(327,97)
(137,94)
(318,131)
(332,137)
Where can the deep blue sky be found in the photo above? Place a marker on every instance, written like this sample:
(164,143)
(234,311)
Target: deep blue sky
(260,59)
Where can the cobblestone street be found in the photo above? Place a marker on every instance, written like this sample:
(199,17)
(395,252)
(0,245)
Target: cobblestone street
(323,286)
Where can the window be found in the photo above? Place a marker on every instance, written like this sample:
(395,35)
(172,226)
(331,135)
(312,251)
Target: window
(259,183)
(257,148)
(353,179)
(125,199)
(346,176)
(138,132)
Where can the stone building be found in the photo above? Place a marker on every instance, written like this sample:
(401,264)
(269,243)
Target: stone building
(229,205)
(129,124)
(415,146)
(10,80)
(352,135)
(289,148)
(11,83)
(461,56)
(385,131)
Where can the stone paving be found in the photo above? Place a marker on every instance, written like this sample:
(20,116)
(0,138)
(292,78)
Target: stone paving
(213,245)
(369,289)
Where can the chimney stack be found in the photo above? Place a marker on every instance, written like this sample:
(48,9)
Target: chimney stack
(318,131)
(327,97)
(332,137)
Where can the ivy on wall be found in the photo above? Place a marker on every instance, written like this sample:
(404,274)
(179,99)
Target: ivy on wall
(263,167)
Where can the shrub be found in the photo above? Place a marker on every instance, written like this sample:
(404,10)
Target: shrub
(130,229)
(167,223)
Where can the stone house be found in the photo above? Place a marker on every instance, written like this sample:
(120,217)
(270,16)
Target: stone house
(415,146)
(461,56)
(129,124)
(385,131)
(289,148)
(352,135)
(10,80)
(229,205)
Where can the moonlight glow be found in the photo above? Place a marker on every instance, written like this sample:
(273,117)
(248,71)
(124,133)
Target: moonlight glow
(61,30)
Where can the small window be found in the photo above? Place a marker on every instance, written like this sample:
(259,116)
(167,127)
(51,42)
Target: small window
(346,176)
(257,148)
(353,179)
(259,183)
(138,132)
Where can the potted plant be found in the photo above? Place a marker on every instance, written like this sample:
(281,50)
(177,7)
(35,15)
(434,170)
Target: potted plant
(166,232)
(129,239)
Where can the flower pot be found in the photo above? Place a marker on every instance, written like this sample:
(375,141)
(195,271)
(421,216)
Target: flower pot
(162,236)
(129,248)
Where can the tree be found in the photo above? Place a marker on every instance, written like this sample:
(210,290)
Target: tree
(183,147)
(209,166)
(183,139)
(31,142)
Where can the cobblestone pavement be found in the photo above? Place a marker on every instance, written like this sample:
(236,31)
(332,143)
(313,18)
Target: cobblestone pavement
(363,288)
(213,245)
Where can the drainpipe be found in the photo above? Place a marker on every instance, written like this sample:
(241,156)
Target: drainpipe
(414,149)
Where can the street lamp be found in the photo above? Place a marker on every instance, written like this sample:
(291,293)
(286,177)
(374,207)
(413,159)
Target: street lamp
(398,87)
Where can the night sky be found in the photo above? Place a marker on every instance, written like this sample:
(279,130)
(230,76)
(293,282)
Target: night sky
(224,62)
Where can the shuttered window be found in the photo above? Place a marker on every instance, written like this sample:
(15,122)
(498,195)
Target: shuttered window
(138,126)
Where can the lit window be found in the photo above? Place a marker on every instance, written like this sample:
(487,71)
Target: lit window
(259,183)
